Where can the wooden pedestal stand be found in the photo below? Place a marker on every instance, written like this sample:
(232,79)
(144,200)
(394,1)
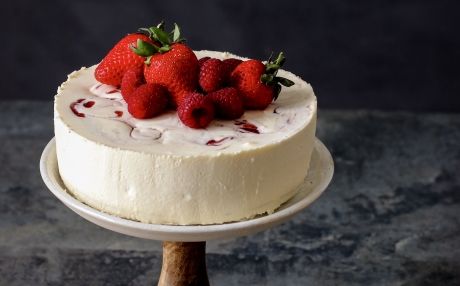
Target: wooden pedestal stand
(184,264)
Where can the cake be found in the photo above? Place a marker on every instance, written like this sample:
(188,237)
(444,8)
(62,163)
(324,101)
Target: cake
(160,171)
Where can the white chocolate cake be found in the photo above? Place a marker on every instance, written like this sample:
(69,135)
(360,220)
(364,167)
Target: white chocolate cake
(160,171)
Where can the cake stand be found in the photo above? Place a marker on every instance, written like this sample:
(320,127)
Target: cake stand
(184,258)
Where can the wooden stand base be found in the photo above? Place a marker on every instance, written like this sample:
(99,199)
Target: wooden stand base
(184,264)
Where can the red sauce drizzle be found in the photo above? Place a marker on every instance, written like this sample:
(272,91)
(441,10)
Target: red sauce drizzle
(112,91)
(250,128)
(213,142)
(118,113)
(246,126)
(74,110)
(88,104)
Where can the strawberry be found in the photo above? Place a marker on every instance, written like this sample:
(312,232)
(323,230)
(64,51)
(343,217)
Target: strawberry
(196,110)
(171,63)
(119,59)
(212,75)
(132,79)
(258,83)
(147,101)
(227,103)
(202,60)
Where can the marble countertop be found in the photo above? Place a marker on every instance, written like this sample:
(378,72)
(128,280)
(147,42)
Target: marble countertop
(391,215)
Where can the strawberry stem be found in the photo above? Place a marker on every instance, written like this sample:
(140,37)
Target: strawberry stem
(143,48)
(271,70)
(162,39)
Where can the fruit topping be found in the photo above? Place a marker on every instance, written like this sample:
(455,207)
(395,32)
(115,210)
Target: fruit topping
(212,75)
(156,70)
(132,79)
(227,103)
(258,83)
(229,66)
(147,101)
(169,62)
(196,110)
(120,59)
(202,60)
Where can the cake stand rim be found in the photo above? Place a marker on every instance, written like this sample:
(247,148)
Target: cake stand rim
(183,232)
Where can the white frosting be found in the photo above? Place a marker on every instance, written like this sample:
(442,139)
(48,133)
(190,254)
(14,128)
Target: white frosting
(160,171)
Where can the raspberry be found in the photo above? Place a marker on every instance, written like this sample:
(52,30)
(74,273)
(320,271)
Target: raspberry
(131,80)
(227,103)
(147,101)
(230,65)
(212,75)
(196,110)
(202,60)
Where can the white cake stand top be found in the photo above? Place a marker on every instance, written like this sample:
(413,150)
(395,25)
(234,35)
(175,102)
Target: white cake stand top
(318,178)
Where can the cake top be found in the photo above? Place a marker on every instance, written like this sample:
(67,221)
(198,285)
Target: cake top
(99,112)
(153,93)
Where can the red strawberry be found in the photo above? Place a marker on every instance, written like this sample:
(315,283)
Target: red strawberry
(258,83)
(176,69)
(147,101)
(212,75)
(202,60)
(227,103)
(196,110)
(120,58)
(171,63)
(132,79)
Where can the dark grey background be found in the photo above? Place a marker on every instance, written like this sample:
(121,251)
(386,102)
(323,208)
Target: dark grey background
(357,54)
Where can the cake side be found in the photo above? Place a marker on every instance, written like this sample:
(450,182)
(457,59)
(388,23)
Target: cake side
(168,189)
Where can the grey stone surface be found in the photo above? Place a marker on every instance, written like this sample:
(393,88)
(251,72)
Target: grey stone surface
(390,216)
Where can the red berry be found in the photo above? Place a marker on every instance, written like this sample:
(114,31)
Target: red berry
(246,77)
(227,103)
(147,101)
(212,75)
(259,84)
(119,59)
(202,60)
(196,110)
(132,79)
(230,65)
(176,69)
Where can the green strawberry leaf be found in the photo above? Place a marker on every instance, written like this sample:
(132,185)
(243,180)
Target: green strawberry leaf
(280,59)
(145,31)
(266,78)
(276,91)
(269,77)
(161,35)
(176,33)
(144,49)
(284,81)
